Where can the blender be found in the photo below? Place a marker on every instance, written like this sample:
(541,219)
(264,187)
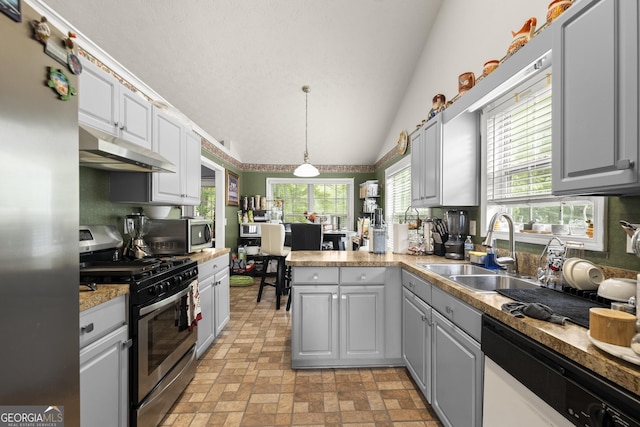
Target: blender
(458,225)
(137,226)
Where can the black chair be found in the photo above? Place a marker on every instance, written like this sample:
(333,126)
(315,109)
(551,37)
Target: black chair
(304,237)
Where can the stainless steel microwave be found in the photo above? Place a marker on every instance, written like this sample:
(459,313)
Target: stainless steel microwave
(250,229)
(179,236)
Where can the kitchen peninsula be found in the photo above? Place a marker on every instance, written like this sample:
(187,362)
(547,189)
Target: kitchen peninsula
(569,340)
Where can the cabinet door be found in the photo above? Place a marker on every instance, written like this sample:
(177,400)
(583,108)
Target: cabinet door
(361,322)
(431,155)
(191,171)
(595,102)
(457,375)
(167,141)
(221,299)
(416,340)
(417,169)
(206,326)
(98,104)
(314,323)
(104,381)
(135,118)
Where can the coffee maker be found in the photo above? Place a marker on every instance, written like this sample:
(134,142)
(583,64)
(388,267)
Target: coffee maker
(458,225)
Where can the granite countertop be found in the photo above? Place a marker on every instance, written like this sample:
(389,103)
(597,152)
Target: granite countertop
(570,340)
(104,293)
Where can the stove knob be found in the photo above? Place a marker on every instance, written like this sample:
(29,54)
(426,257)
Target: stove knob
(177,279)
(600,418)
(152,290)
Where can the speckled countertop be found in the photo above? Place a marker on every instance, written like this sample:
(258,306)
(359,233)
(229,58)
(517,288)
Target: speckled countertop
(570,340)
(104,293)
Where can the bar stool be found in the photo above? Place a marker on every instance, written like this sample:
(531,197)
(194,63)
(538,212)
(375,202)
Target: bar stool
(272,247)
(304,237)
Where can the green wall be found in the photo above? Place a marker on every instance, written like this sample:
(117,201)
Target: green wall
(95,206)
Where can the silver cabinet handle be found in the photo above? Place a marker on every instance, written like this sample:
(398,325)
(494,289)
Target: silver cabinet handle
(315,276)
(127,344)
(335,296)
(449,309)
(624,164)
(88,328)
(363,277)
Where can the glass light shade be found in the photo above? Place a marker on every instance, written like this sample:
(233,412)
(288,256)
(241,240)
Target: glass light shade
(306,170)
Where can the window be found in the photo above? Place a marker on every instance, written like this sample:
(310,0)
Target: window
(207,207)
(323,196)
(398,197)
(517,160)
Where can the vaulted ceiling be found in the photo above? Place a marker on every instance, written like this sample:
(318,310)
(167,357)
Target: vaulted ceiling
(236,67)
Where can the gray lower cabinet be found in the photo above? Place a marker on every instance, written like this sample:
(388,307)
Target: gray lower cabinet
(345,317)
(104,358)
(416,340)
(213,278)
(457,361)
(441,349)
(595,103)
(221,299)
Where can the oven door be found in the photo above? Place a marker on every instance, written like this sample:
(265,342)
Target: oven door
(163,339)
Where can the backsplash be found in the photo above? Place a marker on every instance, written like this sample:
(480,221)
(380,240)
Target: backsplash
(95,206)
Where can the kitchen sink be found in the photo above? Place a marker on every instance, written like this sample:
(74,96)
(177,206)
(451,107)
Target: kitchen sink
(456,269)
(492,282)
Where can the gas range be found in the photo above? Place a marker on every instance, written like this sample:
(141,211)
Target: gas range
(149,279)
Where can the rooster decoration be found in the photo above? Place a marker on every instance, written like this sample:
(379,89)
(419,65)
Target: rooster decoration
(521,37)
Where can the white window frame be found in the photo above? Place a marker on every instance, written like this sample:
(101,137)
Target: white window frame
(597,243)
(348,181)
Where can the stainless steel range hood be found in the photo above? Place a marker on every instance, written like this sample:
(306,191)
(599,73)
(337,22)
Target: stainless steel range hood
(103,151)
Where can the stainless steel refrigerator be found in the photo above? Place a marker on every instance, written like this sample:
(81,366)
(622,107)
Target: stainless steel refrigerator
(39,300)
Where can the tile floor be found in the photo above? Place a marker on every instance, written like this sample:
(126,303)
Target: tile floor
(245,379)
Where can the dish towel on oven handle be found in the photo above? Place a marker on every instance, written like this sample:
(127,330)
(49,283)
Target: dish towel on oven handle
(194,310)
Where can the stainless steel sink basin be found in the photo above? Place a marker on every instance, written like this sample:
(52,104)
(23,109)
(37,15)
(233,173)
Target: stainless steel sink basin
(492,282)
(456,269)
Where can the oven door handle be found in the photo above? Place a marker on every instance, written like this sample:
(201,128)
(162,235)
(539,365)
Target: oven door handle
(165,302)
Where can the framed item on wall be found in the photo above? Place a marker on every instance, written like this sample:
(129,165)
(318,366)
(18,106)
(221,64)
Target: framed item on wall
(233,188)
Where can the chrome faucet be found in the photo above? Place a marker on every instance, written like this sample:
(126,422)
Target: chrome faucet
(510,262)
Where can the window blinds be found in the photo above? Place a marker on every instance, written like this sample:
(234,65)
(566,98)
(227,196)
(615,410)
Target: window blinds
(519,143)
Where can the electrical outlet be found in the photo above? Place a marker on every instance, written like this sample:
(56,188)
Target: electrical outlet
(629,249)
(472,227)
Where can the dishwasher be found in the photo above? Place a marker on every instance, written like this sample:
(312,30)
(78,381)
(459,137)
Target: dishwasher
(527,384)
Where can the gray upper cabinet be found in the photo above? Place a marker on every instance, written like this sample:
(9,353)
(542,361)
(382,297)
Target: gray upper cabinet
(445,162)
(595,99)
(173,141)
(105,104)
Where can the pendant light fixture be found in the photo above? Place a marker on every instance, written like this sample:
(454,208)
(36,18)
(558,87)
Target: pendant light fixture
(306,169)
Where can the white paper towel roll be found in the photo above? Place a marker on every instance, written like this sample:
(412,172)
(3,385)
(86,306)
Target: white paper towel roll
(400,238)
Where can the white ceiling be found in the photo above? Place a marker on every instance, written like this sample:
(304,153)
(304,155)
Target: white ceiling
(236,67)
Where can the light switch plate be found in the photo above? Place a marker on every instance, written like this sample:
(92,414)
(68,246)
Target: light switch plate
(472,227)
(629,250)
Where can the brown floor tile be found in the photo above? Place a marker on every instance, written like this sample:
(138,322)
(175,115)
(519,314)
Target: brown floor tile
(245,379)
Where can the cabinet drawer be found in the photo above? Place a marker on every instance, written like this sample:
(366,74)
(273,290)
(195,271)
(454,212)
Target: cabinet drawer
(417,285)
(98,321)
(462,315)
(314,275)
(362,275)
(211,267)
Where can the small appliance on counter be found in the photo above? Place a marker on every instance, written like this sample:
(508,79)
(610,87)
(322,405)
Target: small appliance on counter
(378,232)
(137,226)
(179,236)
(458,226)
